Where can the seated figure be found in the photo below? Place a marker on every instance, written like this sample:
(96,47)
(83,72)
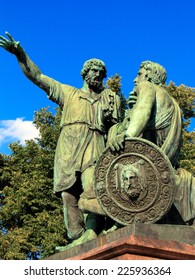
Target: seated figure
(156,116)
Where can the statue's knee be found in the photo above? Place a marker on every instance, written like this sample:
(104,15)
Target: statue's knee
(84,205)
(68,199)
(81,204)
(90,206)
(64,196)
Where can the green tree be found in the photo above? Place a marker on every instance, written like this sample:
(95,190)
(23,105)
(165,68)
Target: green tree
(185,96)
(31,216)
(114,83)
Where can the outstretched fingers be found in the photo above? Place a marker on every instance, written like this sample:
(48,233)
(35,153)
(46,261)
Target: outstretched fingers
(3,39)
(10,44)
(4,42)
(10,37)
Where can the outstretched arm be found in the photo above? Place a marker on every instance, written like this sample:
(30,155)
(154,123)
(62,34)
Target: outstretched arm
(28,67)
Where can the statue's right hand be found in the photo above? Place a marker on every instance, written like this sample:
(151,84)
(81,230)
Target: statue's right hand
(117,144)
(10,44)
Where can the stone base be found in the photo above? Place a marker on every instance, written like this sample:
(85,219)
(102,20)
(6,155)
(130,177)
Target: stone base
(137,242)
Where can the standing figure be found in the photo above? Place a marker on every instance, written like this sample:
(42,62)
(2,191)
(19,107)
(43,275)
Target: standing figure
(87,115)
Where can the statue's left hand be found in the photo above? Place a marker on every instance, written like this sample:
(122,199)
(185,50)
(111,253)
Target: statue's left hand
(10,44)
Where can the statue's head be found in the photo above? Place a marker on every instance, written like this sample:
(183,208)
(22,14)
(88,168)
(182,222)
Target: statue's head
(93,73)
(153,72)
(93,62)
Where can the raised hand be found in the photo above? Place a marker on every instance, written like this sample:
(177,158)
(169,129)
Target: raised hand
(10,44)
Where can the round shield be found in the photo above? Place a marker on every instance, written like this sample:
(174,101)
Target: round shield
(136,184)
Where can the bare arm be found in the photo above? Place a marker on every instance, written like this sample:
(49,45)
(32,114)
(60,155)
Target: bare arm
(141,112)
(29,68)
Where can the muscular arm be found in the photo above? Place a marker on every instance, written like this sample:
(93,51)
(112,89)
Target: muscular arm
(141,112)
(29,68)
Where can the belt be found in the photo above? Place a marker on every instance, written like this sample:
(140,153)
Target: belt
(90,125)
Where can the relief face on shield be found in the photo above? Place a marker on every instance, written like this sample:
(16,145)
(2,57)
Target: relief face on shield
(130,180)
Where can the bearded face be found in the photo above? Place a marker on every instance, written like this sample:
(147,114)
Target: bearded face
(94,78)
(131,184)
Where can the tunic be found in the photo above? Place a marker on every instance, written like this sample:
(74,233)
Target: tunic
(84,123)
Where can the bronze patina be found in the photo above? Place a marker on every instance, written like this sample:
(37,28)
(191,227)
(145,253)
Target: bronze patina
(136,184)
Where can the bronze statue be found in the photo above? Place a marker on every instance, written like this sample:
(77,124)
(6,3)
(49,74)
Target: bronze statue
(87,115)
(154,115)
(160,114)
(137,177)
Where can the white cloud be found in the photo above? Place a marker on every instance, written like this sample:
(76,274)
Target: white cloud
(17,130)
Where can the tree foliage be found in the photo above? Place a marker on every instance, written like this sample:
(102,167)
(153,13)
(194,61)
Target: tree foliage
(185,97)
(114,83)
(31,218)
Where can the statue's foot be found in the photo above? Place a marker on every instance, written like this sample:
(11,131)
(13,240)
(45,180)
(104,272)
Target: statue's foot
(60,248)
(88,235)
(113,228)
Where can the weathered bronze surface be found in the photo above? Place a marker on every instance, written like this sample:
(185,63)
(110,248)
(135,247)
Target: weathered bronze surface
(87,115)
(135,185)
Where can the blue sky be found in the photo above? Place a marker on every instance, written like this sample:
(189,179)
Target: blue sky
(61,35)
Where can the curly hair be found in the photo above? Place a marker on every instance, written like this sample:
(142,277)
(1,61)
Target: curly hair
(89,63)
(155,72)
